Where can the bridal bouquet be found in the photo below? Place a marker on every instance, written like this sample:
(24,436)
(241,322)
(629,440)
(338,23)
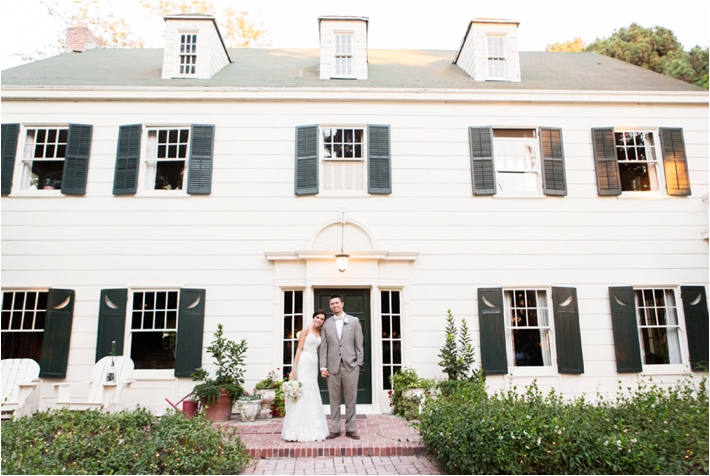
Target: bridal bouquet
(292,389)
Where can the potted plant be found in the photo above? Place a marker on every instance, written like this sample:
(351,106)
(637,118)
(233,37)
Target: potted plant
(249,406)
(217,394)
(266,389)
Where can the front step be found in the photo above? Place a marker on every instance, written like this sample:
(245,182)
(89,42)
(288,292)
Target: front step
(380,435)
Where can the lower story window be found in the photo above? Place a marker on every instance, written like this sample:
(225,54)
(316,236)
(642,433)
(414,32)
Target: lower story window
(153,332)
(528,327)
(293,323)
(45,150)
(23,317)
(658,326)
(391,336)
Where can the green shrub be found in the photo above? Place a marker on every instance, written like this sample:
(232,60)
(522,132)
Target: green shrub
(401,381)
(457,359)
(649,430)
(127,442)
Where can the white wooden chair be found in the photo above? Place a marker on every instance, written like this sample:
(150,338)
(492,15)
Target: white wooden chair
(100,391)
(20,395)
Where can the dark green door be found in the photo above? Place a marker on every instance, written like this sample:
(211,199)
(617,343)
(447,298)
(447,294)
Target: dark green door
(357,303)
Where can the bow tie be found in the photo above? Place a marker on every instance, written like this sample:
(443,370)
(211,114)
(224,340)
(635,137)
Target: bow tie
(338,318)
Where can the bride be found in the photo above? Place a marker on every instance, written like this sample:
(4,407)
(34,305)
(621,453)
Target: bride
(305,418)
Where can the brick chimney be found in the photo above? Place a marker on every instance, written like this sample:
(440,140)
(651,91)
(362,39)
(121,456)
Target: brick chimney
(80,39)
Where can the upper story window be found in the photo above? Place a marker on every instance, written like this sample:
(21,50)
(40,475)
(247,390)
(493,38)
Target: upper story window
(343,55)
(45,151)
(166,159)
(517,161)
(528,327)
(658,326)
(638,165)
(188,53)
(495,57)
(343,159)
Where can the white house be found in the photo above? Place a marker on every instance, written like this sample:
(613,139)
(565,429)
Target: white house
(556,201)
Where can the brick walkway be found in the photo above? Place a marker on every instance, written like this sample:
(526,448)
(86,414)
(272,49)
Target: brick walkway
(345,465)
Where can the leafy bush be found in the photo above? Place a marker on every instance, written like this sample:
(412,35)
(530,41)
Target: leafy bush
(650,430)
(229,358)
(402,381)
(457,359)
(127,442)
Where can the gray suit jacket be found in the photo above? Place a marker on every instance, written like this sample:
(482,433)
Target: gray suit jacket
(346,351)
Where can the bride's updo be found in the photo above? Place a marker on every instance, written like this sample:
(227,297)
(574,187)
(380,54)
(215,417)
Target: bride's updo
(319,311)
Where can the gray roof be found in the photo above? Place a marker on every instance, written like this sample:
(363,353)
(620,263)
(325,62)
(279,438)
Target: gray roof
(292,68)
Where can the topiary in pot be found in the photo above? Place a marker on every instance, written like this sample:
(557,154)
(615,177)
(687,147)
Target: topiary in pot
(220,391)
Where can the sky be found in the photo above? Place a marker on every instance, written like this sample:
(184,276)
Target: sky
(394,24)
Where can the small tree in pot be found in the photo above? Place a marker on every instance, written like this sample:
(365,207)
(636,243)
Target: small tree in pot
(217,394)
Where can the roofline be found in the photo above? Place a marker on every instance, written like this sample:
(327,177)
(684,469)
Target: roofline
(202,17)
(481,20)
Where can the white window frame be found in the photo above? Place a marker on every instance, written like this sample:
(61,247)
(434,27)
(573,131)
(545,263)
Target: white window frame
(296,332)
(339,54)
(149,162)
(393,367)
(656,161)
(23,168)
(181,54)
(490,55)
(326,164)
(550,369)
(128,341)
(535,160)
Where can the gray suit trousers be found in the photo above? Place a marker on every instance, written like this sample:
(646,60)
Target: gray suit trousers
(344,381)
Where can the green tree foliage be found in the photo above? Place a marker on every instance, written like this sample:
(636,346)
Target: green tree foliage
(657,49)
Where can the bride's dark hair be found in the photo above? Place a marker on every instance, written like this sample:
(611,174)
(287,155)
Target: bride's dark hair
(319,311)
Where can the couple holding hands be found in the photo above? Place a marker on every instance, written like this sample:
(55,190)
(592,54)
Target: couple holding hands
(332,347)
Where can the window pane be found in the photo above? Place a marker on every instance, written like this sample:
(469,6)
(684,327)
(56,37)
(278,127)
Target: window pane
(288,330)
(386,332)
(386,372)
(396,352)
(395,302)
(147,320)
(172,320)
(6,320)
(136,320)
(288,302)
(63,134)
(169,175)
(396,332)
(160,319)
(298,309)
(28,320)
(7,301)
(161,301)
(19,301)
(385,302)
(153,350)
(528,347)
(386,352)
(39,320)
(172,300)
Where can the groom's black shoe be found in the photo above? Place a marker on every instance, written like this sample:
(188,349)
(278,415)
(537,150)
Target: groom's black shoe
(353,435)
(332,436)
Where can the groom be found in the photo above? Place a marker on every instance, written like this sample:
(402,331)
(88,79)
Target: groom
(341,356)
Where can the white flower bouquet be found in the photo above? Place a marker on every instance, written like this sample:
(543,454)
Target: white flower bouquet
(292,389)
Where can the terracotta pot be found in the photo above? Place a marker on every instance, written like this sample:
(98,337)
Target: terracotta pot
(221,409)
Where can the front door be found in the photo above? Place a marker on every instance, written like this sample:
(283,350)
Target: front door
(357,304)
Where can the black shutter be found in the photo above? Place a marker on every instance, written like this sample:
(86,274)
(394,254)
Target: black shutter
(9,150)
(492,331)
(626,333)
(128,152)
(76,162)
(695,308)
(554,181)
(112,321)
(379,160)
(483,172)
(191,320)
(569,340)
(306,179)
(608,179)
(675,162)
(199,177)
(57,334)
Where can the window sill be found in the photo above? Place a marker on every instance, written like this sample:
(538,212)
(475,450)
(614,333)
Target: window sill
(527,372)
(499,195)
(343,194)
(654,195)
(162,194)
(37,194)
(669,369)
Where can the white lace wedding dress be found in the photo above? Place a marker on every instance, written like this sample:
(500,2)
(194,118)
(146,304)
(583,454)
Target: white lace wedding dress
(305,419)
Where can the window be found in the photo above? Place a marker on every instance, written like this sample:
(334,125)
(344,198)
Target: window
(528,328)
(496,57)
(188,54)
(343,159)
(293,323)
(343,55)
(45,151)
(166,159)
(517,161)
(391,337)
(153,331)
(638,166)
(23,318)
(658,326)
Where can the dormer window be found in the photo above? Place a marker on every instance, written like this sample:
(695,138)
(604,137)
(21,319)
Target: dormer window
(343,54)
(496,57)
(188,53)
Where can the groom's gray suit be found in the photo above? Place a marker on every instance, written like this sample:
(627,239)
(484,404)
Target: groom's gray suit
(343,358)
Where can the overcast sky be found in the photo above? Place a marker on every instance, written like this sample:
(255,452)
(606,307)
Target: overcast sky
(410,24)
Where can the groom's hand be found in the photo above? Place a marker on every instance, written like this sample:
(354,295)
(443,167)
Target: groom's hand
(324,373)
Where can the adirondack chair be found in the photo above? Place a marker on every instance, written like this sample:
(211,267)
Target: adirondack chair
(101,390)
(20,395)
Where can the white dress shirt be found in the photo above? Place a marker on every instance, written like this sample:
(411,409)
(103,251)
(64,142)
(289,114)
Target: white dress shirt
(339,326)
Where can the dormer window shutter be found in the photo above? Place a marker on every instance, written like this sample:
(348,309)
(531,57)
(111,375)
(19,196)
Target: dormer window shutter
(554,181)
(128,151)
(199,176)
(76,163)
(306,168)
(675,162)
(10,134)
(483,172)
(380,161)
(608,177)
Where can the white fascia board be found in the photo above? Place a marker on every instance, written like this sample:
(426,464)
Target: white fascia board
(58,93)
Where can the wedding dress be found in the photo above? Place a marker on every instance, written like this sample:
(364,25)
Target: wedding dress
(305,418)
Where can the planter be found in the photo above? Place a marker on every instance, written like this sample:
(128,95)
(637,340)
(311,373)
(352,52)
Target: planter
(267,399)
(221,409)
(416,396)
(189,408)
(249,409)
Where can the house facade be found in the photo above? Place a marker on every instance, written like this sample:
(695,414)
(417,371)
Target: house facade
(556,201)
